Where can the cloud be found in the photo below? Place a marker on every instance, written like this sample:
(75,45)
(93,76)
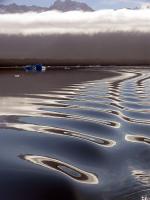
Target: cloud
(145,5)
(101,37)
(75,22)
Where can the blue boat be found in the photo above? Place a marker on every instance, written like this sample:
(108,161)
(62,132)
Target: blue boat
(35,68)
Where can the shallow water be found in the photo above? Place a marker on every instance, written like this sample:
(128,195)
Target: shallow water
(89,140)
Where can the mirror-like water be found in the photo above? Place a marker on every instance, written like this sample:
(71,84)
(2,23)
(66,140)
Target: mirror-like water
(85,140)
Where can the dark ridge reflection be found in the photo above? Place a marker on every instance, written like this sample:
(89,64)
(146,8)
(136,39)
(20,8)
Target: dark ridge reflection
(141,81)
(63,132)
(96,140)
(133,138)
(69,170)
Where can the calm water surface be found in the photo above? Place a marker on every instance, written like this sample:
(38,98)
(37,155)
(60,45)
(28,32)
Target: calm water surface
(89,140)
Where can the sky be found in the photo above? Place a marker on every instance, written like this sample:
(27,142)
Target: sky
(96,4)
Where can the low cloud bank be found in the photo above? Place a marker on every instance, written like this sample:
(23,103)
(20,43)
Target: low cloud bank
(75,22)
(100,37)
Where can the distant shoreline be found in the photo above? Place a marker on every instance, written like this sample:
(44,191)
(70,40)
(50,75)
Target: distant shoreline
(53,64)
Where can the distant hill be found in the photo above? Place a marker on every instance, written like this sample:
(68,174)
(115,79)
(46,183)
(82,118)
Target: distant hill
(14,8)
(67,5)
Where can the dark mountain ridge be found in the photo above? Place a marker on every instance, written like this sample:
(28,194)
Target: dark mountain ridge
(64,6)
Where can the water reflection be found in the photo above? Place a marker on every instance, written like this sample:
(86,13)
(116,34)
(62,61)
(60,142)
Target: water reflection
(140,139)
(102,124)
(69,170)
(63,132)
(142,176)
